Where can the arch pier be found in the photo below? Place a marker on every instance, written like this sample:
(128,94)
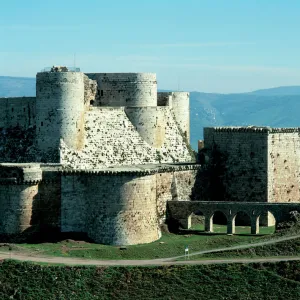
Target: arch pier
(182,210)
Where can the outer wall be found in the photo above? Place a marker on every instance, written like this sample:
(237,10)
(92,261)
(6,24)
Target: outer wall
(17,112)
(284,167)
(121,209)
(29,207)
(17,207)
(117,210)
(242,167)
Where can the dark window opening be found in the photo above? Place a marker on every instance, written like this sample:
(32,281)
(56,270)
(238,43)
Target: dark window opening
(101,93)
(92,102)
(12,109)
(24,109)
(42,123)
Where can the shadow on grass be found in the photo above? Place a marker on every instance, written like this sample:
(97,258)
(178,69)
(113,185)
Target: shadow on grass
(43,235)
(198,232)
(202,232)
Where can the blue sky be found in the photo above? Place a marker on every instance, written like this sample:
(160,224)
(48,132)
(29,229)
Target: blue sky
(211,46)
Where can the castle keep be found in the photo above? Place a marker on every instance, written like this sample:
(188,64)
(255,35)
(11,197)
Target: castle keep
(94,153)
(103,154)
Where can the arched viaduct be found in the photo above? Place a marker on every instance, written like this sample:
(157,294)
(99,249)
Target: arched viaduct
(182,211)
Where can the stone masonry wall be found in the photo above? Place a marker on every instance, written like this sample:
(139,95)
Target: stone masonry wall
(125,89)
(164,99)
(111,139)
(25,201)
(117,209)
(17,112)
(284,166)
(173,186)
(74,209)
(16,208)
(237,166)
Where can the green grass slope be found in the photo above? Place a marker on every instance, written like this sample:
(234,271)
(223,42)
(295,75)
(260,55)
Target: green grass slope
(236,281)
(169,245)
(281,249)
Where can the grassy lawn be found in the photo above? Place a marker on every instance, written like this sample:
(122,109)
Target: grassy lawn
(169,245)
(235,281)
(281,249)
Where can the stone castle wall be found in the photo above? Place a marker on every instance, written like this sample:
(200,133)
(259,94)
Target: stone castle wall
(180,104)
(17,112)
(256,164)
(125,89)
(117,209)
(26,203)
(284,166)
(173,186)
(237,164)
(121,208)
(112,139)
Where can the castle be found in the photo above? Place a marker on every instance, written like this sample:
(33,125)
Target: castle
(103,153)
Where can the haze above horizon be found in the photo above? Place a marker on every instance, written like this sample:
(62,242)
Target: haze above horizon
(209,46)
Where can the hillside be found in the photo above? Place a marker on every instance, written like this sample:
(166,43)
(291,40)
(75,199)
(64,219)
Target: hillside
(225,281)
(277,107)
(241,110)
(16,86)
(278,91)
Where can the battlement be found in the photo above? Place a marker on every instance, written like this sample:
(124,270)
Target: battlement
(135,169)
(253,129)
(60,69)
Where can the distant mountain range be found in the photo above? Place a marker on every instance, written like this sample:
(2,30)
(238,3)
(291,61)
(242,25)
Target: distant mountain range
(16,86)
(275,107)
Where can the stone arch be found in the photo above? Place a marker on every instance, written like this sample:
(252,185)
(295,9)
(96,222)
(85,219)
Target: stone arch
(197,219)
(220,217)
(243,217)
(211,218)
(269,220)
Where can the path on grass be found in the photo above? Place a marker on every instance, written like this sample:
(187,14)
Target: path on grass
(154,262)
(238,247)
(150,262)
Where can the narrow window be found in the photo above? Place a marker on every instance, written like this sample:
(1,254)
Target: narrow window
(101,93)
(42,123)
(24,109)
(12,109)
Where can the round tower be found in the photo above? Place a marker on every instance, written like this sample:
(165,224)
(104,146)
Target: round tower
(59,112)
(123,212)
(149,122)
(137,92)
(181,108)
(18,197)
(126,89)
